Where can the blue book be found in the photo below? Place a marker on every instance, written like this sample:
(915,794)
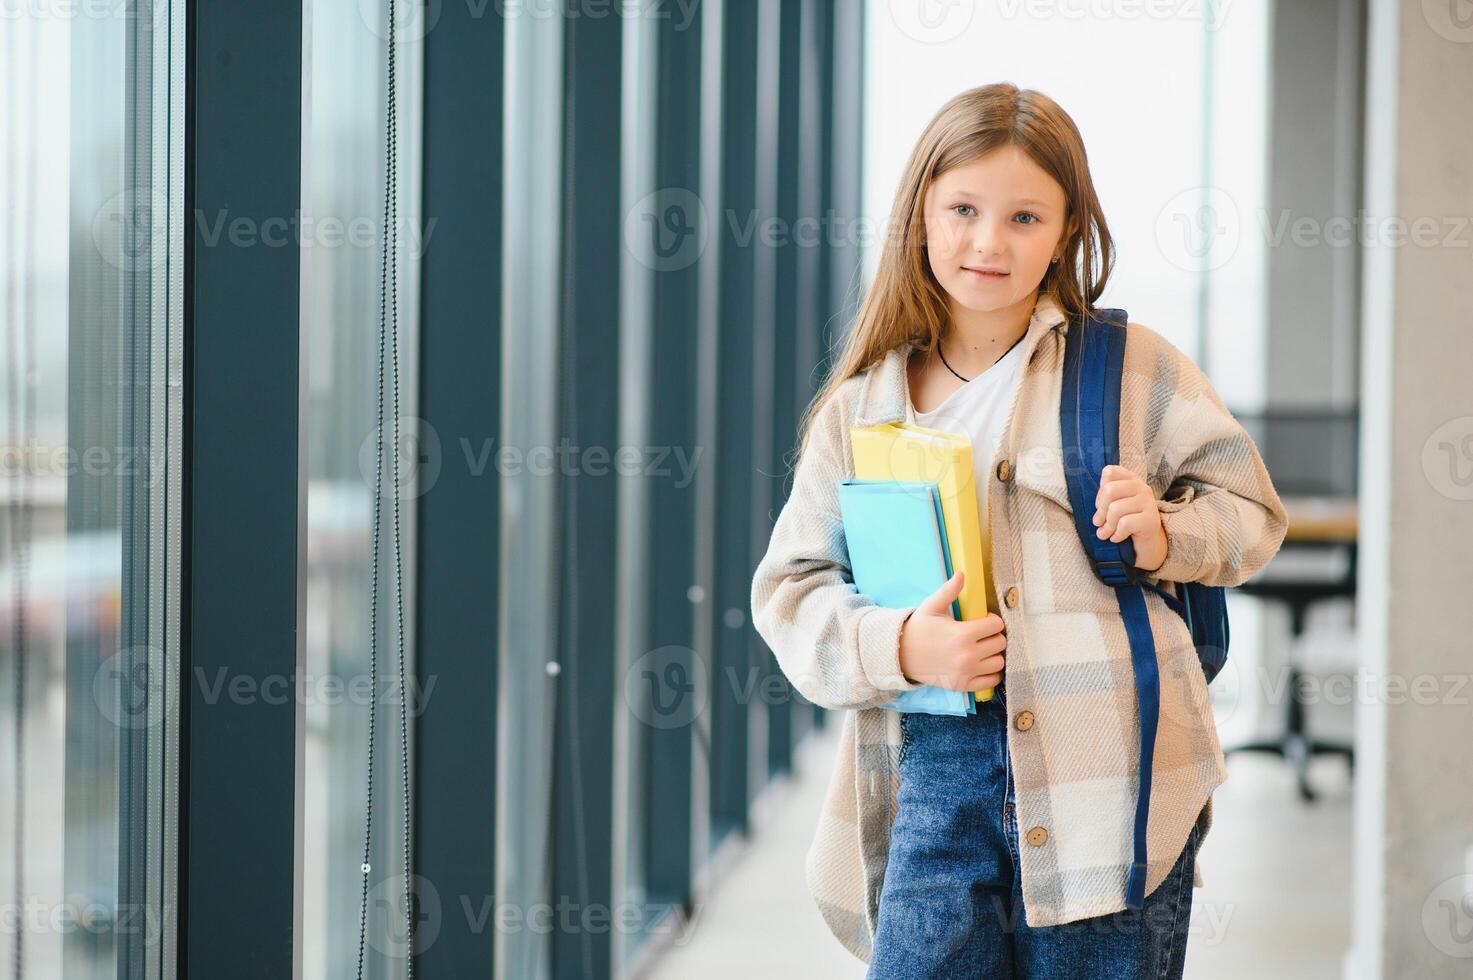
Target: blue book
(898,556)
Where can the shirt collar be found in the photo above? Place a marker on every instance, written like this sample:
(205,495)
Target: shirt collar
(885,395)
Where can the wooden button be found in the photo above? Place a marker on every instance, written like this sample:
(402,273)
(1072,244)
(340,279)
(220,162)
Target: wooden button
(1038,837)
(1011,598)
(1024,721)
(1004,471)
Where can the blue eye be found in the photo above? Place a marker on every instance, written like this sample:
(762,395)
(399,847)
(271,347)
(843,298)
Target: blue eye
(1031,215)
(962,206)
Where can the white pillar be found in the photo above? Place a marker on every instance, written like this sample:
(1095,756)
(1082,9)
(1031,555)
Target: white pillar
(1414,773)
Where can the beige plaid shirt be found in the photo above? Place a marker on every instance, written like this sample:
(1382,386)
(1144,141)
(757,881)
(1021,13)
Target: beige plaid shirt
(1068,658)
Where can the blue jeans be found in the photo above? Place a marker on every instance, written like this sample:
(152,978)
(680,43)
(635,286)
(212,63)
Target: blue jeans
(952,900)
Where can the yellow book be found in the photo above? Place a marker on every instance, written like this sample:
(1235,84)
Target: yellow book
(902,451)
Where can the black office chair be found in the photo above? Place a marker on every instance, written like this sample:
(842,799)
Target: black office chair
(1310,455)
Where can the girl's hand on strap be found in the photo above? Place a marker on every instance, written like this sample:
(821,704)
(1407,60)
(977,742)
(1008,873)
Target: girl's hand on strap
(1125,507)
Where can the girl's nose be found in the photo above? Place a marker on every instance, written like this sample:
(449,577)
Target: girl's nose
(987,239)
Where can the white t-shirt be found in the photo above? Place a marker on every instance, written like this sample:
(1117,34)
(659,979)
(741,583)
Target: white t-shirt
(978,410)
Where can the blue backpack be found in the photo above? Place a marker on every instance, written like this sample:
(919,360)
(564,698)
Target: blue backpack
(1089,426)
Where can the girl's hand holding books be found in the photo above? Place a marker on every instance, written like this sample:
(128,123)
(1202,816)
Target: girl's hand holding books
(964,655)
(1125,507)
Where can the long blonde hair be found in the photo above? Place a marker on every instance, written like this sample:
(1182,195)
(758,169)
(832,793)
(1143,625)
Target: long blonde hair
(905,303)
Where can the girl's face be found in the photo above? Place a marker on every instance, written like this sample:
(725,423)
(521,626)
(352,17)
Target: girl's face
(992,225)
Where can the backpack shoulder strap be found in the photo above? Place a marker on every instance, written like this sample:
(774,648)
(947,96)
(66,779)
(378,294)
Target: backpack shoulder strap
(1089,427)
(1089,430)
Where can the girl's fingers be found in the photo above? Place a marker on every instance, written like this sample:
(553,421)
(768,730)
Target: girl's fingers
(1114,490)
(1118,512)
(992,664)
(991,645)
(982,682)
(1109,518)
(1123,487)
(1130,505)
(990,625)
(1134,524)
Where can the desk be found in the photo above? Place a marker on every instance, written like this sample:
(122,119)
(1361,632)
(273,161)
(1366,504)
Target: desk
(1316,524)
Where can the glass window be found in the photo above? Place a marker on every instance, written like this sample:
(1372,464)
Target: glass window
(342,232)
(90,367)
(529,518)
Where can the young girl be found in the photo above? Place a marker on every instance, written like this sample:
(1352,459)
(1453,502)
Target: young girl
(1000,844)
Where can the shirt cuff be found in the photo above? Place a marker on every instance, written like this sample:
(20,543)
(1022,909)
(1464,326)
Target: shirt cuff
(1185,542)
(879,648)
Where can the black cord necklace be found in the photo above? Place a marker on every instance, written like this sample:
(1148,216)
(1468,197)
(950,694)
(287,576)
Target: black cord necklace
(1004,354)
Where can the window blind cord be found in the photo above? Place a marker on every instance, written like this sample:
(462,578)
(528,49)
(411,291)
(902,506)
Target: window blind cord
(388,326)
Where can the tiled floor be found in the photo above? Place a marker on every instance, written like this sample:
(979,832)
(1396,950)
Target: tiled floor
(1275,901)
